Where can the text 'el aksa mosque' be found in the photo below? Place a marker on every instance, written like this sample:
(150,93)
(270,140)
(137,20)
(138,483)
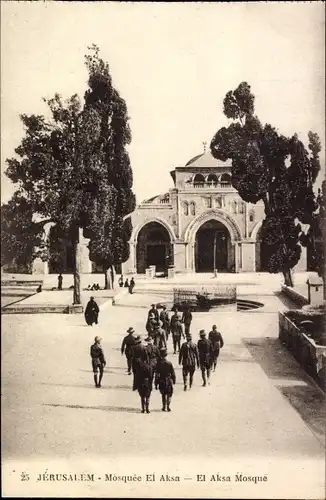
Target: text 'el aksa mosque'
(200,225)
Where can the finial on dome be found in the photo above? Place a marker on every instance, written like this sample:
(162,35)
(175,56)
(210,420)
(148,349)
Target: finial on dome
(204,144)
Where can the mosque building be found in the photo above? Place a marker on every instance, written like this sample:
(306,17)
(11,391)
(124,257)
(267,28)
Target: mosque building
(200,225)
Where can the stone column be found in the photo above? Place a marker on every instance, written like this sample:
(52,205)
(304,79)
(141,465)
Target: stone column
(179,252)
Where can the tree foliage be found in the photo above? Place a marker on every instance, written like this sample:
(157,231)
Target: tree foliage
(273,168)
(73,169)
(21,237)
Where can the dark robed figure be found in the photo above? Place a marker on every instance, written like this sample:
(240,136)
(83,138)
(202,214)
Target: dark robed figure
(91,312)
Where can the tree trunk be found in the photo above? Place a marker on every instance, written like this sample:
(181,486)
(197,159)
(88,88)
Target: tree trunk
(77,267)
(113,275)
(288,278)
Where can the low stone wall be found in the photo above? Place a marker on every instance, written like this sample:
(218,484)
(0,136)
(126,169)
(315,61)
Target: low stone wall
(295,296)
(311,356)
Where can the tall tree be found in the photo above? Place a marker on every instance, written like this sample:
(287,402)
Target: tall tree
(68,167)
(270,167)
(108,232)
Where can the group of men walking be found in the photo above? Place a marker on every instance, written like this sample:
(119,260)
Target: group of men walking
(148,360)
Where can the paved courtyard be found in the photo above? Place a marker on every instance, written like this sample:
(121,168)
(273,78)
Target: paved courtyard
(260,416)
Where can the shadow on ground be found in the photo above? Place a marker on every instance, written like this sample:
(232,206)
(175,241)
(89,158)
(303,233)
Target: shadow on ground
(291,380)
(103,408)
(90,386)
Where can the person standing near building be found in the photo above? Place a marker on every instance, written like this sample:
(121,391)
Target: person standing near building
(126,347)
(217,343)
(165,379)
(176,330)
(187,319)
(205,355)
(144,384)
(164,318)
(188,358)
(120,282)
(98,361)
(138,354)
(126,285)
(91,312)
(60,280)
(131,286)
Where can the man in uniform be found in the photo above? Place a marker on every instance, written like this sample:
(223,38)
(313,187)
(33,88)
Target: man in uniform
(205,355)
(138,354)
(153,312)
(159,336)
(126,346)
(153,354)
(98,361)
(150,324)
(176,330)
(164,318)
(187,319)
(165,379)
(189,358)
(217,343)
(144,384)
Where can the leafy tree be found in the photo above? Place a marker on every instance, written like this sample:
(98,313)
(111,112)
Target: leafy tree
(20,235)
(273,168)
(68,166)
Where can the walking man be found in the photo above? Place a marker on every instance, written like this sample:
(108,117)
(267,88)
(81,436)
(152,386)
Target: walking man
(153,312)
(145,384)
(132,286)
(126,347)
(165,379)
(60,280)
(120,282)
(91,312)
(176,330)
(153,354)
(187,319)
(189,358)
(138,354)
(159,336)
(205,356)
(217,343)
(164,318)
(98,361)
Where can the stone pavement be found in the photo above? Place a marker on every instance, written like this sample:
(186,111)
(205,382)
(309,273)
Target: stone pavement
(260,415)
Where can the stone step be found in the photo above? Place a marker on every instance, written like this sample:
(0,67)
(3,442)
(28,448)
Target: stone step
(16,283)
(41,309)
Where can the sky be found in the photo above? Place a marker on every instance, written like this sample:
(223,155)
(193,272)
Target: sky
(173,63)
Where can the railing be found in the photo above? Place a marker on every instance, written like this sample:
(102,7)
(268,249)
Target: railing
(209,185)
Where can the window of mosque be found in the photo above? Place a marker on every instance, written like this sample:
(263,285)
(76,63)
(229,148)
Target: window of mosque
(199,180)
(252,215)
(208,202)
(193,208)
(225,179)
(241,207)
(212,180)
(185,208)
(218,202)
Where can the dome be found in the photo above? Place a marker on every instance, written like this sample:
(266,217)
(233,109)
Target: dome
(206,160)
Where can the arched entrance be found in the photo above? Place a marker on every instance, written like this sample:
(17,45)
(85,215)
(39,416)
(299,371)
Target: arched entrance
(213,248)
(154,248)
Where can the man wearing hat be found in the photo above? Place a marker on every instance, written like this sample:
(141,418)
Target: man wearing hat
(187,319)
(189,358)
(176,330)
(205,350)
(164,318)
(127,343)
(153,312)
(165,379)
(98,361)
(139,354)
(159,336)
(150,324)
(153,354)
(217,343)
(144,384)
